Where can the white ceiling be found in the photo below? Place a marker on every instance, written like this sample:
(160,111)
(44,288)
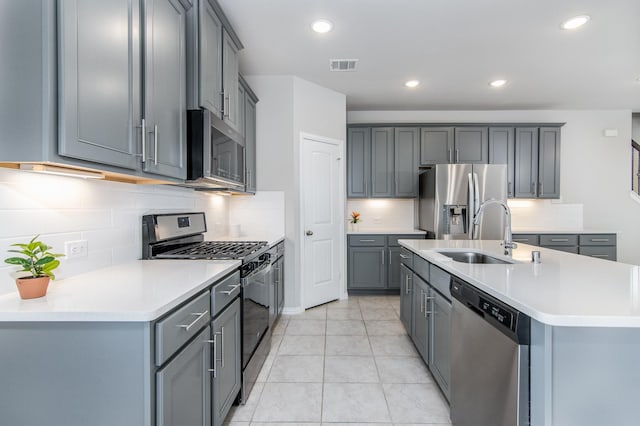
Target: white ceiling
(454,47)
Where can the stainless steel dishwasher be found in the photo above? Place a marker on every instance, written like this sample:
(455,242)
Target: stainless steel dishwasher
(490,360)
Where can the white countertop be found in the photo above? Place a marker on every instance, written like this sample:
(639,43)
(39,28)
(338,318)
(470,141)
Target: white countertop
(390,231)
(142,290)
(563,290)
(561,231)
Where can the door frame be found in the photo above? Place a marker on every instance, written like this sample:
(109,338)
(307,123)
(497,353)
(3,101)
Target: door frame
(340,202)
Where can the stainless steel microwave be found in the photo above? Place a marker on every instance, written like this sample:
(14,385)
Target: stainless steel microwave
(215,153)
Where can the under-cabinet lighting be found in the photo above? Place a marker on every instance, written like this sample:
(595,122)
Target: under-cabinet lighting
(412,83)
(575,22)
(61,171)
(497,83)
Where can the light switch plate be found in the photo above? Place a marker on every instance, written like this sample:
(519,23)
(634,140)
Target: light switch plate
(76,249)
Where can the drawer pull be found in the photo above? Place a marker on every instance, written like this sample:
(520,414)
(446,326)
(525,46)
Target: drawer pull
(599,240)
(520,240)
(403,256)
(200,316)
(600,255)
(559,240)
(228,292)
(367,241)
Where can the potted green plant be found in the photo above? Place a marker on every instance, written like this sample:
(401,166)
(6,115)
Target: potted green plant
(39,263)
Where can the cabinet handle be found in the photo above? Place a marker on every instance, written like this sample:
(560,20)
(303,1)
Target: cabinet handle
(520,240)
(367,241)
(457,155)
(599,240)
(559,240)
(221,347)
(389,256)
(383,257)
(155,144)
(534,187)
(144,140)
(233,288)
(215,350)
(406,284)
(200,316)
(421,300)
(600,255)
(227,106)
(510,188)
(403,256)
(541,188)
(426,302)
(449,151)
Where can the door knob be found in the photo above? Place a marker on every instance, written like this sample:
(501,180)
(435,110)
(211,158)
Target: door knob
(309,233)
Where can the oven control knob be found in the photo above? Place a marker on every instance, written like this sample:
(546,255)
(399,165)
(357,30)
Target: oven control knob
(309,233)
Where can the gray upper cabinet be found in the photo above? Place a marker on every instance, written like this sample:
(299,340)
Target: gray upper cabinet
(230,101)
(165,107)
(471,145)
(250,144)
(205,58)
(549,163)
(99,82)
(502,151)
(526,152)
(436,145)
(537,162)
(227,361)
(463,145)
(242,99)
(382,162)
(358,162)
(406,157)
(183,387)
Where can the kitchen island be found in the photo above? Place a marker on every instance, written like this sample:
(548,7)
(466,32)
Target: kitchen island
(585,326)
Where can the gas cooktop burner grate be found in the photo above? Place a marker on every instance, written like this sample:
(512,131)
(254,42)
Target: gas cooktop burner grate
(218,250)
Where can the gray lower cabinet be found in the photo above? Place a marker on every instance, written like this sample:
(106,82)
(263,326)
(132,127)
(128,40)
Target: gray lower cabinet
(183,386)
(406,297)
(420,316)
(374,262)
(226,361)
(602,246)
(502,151)
(382,162)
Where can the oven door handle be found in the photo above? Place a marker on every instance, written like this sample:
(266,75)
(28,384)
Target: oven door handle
(262,269)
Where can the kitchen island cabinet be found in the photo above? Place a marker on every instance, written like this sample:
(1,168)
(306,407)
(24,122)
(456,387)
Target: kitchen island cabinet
(126,345)
(583,313)
(600,245)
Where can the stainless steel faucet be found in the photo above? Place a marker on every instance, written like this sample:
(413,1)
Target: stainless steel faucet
(508,240)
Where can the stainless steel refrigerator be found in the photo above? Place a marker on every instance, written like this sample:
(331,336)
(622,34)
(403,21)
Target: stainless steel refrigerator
(450,195)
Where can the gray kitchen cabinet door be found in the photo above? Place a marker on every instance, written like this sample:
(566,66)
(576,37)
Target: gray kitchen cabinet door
(441,341)
(393,280)
(406,157)
(358,162)
(526,163)
(471,145)
(367,268)
(382,162)
(99,81)
(420,316)
(502,151)
(183,387)
(165,88)
(406,298)
(227,361)
(242,99)
(549,163)
(210,59)
(436,145)
(230,81)
(250,145)
(280,285)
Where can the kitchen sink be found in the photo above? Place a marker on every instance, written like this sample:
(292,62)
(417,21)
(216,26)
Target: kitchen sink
(474,257)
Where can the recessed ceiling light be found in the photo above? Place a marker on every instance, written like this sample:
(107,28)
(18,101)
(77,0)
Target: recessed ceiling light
(575,22)
(498,83)
(412,83)
(322,26)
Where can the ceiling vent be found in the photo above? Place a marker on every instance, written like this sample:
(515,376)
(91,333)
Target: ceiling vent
(340,65)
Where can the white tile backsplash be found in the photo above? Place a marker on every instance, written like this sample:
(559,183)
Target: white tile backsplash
(106,214)
(383,213)
(261,216)
(547,215)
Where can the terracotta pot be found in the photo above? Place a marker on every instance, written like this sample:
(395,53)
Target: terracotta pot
(32,287)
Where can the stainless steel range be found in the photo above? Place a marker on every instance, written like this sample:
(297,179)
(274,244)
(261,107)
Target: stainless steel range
(181,236)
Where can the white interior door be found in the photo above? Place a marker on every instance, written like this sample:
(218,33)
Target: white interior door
(322,221)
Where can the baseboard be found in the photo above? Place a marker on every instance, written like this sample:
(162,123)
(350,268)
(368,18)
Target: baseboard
(293,311)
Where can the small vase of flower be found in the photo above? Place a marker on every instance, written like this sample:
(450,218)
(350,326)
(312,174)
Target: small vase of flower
(355,221)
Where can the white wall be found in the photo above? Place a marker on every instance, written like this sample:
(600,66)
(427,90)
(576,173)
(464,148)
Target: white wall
(288,106)
(595,170)
(106,214)
(383,213)
(260,217)
(635,127)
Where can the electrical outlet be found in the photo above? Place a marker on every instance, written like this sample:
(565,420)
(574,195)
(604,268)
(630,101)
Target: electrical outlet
(76,249)
(377,220)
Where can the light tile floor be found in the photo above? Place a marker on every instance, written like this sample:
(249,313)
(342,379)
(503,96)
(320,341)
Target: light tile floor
(349,362)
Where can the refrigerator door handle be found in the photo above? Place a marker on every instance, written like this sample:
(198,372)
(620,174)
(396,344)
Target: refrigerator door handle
(476,204)
(471,208)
